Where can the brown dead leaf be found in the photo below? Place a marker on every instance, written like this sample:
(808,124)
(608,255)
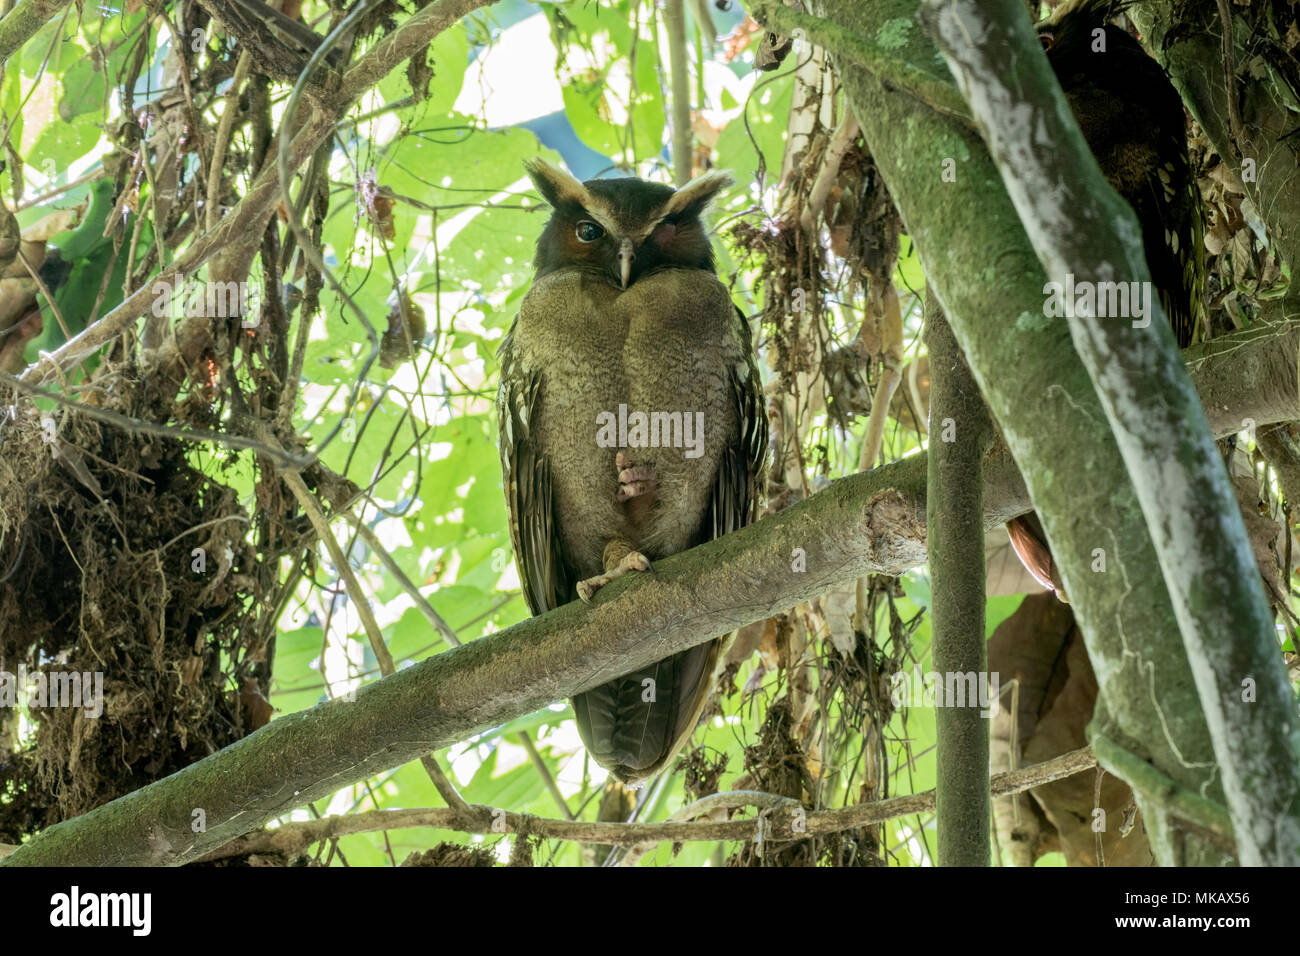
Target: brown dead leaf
(1042,649)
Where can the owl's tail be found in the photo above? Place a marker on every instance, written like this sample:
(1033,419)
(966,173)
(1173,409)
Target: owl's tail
(634,725)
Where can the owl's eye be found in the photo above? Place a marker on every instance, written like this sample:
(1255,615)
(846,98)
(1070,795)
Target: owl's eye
(1047,40)
(588,231)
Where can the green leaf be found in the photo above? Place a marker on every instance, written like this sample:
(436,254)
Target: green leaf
(414,638)
(530,722)
(297,682)
(909,274)
(449,55)
(84,89)
(76,243)
(53,40)
(66,142)
(998,609)
(508,790)
(768,109)
(917,587)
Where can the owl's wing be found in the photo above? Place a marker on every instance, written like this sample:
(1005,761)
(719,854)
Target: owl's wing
(738,486)
(526,477)
(1172,215)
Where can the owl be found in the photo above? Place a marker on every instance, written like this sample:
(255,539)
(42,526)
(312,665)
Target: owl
(1132,119)
(632,426)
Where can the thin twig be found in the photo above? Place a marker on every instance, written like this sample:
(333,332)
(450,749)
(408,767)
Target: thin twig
(545,772)
(292,838)
(409,586)
(45,291)
(45,197)
(1230,79)
(891,330)
(307,501)
(1149,781)
(840,142)
(223,138)
(726,800)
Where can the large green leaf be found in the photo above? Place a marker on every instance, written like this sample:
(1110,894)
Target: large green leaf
(449,55)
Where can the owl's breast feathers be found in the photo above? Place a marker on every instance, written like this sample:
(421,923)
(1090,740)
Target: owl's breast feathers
(672,348)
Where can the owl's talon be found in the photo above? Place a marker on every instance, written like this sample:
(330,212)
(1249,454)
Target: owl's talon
(635,561)
(632,561)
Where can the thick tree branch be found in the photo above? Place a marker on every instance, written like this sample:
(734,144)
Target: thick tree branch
(863,525)
(1079,227)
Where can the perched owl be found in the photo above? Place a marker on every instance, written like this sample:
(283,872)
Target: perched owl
(1133,121)
(632,427)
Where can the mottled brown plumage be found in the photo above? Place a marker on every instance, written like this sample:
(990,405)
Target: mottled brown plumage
(1133,121)
(625,310)
(1132,118)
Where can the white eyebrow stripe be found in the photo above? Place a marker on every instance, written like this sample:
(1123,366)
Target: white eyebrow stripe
(602,220)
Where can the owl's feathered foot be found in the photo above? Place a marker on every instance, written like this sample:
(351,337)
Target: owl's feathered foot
(633,480)
(614,569)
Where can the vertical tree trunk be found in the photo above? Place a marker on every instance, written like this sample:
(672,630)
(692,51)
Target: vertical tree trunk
(959,434)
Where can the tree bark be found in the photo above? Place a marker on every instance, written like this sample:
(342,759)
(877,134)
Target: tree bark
(1266,141)
(959,434)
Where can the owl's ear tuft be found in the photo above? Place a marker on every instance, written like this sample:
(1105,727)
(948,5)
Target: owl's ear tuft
(557,187)
(692,198)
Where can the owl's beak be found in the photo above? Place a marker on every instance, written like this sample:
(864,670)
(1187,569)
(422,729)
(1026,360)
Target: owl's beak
(626,253)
